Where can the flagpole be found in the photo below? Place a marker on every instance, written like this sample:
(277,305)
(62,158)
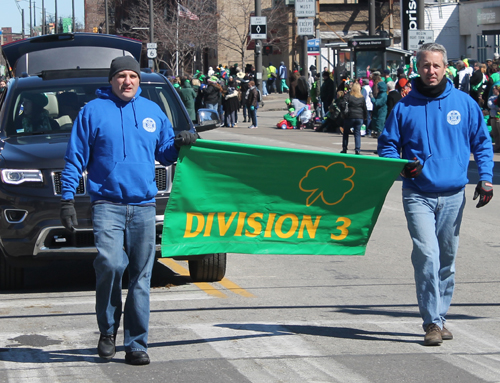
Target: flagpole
(177,44)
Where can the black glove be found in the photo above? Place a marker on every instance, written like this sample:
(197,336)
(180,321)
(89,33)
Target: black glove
(412,169)
(184,138)
(484,190)
(68,214)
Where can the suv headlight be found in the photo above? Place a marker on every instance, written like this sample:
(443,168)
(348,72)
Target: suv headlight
(18,176)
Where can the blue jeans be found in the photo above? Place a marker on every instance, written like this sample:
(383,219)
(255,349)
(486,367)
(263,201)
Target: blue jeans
(245,111)
(252,114)
(213,107)
(124,236)
(434,224)
(356,124)
(368,122)
(264,88)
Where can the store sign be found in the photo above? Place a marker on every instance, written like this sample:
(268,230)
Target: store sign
(409,17)
(488,16)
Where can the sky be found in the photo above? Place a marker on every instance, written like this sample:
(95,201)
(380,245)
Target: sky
(10,15)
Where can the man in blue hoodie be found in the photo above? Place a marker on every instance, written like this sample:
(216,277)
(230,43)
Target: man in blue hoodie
(116,138)
(435,128)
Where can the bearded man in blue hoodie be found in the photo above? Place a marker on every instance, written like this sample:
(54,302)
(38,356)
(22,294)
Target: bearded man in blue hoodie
(116,138)
(436,127)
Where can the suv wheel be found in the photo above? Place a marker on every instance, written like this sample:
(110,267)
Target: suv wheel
(211,268)
(11,278)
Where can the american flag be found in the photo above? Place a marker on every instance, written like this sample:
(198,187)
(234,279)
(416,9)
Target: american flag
(184,12)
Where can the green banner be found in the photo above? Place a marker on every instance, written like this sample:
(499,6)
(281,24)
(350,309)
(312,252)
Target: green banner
(235,198)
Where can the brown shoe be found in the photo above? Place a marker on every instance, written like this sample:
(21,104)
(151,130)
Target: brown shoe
(446,334)
(433,335)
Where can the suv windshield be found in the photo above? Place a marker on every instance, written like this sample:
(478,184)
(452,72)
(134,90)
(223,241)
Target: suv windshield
(52,110)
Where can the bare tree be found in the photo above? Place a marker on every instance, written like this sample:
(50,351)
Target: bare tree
(234,26)
(178,36)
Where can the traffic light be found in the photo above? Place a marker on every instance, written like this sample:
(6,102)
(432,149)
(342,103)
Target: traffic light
(94,29)
(268,49)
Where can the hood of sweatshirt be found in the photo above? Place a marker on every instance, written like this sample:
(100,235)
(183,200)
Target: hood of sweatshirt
(382,87)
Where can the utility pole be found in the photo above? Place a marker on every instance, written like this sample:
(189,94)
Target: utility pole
(73,15)
(152,29)
(304,58)
(421,14)
(56,26)
(22,17)
(151,23)
(21,11)
(43,18)
(106,17)
(258,50)
(371,18)
(31,22)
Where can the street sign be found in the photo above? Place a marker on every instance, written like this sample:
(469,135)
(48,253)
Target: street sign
(305,27)
(305,8)
(313,47)
(258,28)
(372,42)
(419,37)
(151,45)
(151,53)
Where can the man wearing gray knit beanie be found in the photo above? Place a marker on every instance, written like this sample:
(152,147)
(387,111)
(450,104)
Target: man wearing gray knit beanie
(116,139)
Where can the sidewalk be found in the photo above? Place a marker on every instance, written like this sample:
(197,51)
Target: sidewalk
(274,102)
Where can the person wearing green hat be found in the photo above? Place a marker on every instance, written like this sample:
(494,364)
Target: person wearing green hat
(211,94)
(188,95)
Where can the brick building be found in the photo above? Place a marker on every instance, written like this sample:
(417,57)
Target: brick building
(8,36)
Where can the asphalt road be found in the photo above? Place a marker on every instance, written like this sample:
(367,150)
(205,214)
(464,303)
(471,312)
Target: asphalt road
(274,318)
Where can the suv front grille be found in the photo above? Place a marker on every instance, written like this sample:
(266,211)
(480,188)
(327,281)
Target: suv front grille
(56,181)
(162,176)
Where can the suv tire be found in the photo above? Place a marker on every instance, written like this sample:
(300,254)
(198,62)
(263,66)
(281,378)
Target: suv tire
(211,268)
(11,278)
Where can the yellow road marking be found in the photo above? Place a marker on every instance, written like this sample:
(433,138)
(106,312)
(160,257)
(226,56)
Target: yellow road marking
(207,287)
(235,288)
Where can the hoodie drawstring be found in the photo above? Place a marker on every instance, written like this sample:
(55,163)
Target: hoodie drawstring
(132,102)
(123,134)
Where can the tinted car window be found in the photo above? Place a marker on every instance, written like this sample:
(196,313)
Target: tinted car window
(52,110)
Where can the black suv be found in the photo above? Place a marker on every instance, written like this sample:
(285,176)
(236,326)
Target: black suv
(60,73)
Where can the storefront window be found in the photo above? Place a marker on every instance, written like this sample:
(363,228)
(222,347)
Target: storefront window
(373,59)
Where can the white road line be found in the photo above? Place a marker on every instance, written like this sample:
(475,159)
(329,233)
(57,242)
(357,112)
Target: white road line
(281,355)
(53,301)
(63,362)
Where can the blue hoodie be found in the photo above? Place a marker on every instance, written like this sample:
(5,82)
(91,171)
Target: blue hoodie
(117,142)
(441,132)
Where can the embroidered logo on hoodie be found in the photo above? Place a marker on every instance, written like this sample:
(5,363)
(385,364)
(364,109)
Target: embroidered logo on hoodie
(454,117)
(149,124)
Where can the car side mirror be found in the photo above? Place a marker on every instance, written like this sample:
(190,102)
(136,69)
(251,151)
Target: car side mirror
(208,119)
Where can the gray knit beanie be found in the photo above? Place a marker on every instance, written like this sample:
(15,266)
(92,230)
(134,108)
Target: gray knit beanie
(124,63)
